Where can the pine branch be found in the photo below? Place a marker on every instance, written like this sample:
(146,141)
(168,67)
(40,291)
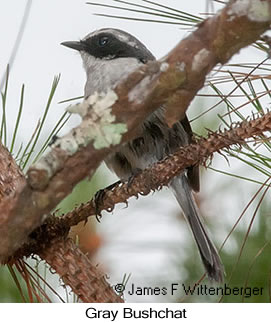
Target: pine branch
(11,176)
(152,178)
(76,270)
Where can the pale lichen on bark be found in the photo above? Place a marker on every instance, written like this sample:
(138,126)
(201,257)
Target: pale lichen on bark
(201,59)
(98,124)
(255,10)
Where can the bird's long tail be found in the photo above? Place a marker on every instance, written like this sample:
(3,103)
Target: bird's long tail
(207,250)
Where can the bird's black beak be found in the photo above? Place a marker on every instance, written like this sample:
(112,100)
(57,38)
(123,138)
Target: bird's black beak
(77,45)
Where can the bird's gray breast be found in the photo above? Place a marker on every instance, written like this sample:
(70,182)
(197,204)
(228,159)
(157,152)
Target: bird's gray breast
(104,74)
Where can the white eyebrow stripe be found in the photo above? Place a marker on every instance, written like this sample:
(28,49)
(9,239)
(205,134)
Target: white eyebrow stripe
(122,37)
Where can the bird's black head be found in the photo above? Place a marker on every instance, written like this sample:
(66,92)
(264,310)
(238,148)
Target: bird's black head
(111,44)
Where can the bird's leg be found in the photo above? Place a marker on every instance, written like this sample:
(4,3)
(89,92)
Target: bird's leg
(98,198)
(135,172)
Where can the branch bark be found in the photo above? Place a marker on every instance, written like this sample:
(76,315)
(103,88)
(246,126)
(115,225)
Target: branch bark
(153,178)
(75,269)
(12,182)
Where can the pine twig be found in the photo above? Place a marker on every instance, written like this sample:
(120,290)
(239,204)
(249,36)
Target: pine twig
(152,178)
(11,176)
(75,269)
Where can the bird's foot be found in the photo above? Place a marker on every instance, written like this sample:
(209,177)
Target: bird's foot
(98,199)
(130,181)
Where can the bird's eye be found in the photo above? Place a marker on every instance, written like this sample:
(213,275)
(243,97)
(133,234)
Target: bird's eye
(103,41)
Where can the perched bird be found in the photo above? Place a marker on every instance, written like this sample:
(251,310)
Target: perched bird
(109,55)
